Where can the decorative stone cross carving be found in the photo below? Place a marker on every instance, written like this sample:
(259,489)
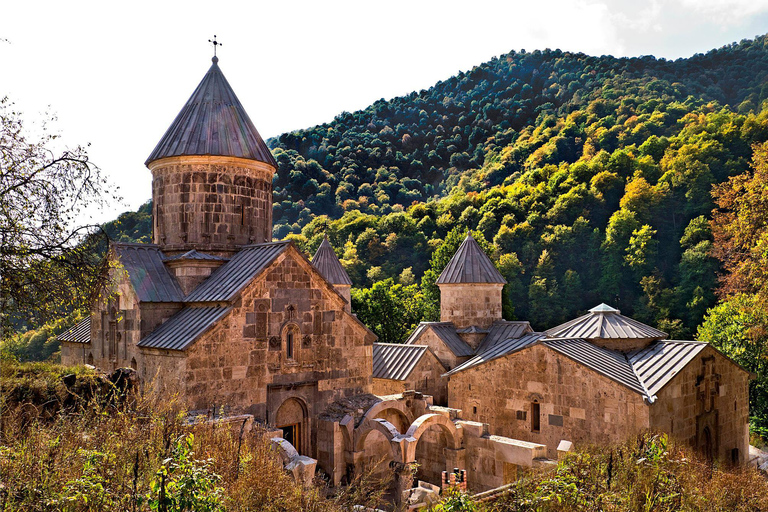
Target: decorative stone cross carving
(708,385)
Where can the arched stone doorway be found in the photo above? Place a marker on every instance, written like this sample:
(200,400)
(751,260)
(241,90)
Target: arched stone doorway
(90,358)
(292,419)
(705,445)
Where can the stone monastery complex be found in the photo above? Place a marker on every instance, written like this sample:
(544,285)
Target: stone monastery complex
(243,326)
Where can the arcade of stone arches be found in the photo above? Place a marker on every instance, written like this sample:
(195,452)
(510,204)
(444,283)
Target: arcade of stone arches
(403,434)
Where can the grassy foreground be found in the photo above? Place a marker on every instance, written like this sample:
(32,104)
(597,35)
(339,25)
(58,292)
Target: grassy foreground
(69,442)
(64,452)
(646,474)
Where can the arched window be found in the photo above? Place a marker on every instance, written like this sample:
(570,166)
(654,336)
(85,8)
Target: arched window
(291,337)
(133,364)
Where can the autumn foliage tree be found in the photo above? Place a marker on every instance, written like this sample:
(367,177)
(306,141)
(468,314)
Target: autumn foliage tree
(48,264)
(740,229)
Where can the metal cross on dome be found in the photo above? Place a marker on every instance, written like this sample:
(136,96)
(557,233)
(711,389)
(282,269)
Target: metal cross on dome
(215,43)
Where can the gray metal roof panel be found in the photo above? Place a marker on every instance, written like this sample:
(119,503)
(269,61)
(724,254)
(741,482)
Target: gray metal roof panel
(226,281)
(446,331)
(396,361)
(213,122)
(610,363)
(602,323)
(658,363)
(148,275)
(184,328)
(195,255)
(470,265)
(499,349)
(503,330)
(78,333)
(329,266)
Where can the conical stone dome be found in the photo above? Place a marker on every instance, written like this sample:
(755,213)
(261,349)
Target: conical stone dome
(213,122)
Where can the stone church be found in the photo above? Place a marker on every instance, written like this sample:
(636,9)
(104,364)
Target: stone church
(214,308)
(240,324)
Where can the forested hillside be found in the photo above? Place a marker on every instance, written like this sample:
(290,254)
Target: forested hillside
(589,177)
(415,147)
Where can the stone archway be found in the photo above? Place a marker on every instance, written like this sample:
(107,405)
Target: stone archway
(394,411)
(292,419)
(435,444)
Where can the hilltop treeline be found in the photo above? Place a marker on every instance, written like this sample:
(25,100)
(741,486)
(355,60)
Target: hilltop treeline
(416,147)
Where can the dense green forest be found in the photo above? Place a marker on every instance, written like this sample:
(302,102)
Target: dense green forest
(586,179)
(588,176)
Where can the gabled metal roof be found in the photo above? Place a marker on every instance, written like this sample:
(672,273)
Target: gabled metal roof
(213,122)
(657,364)
(604,322)
(396,361)
(147,273)
(470,265)
(610,363)
(446,331)
(503,330)
(497,350)
(195,255)
(226,281)
(183,328)
(329,266)
(78,333)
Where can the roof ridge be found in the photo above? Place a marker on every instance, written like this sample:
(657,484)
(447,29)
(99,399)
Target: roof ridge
(650,397)
(400,344)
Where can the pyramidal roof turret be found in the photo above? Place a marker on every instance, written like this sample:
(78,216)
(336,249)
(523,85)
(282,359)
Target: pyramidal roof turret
(470,265)
(328,264)
(605,322)
(213,122)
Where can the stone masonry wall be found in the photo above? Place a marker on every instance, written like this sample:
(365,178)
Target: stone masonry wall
(244,362)
(682,401)
(575,402)
(439,349)
(211,204)
(424,378)
(470,304)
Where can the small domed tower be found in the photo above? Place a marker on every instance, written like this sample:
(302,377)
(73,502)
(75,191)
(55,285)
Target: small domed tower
(470,288)
(211,175)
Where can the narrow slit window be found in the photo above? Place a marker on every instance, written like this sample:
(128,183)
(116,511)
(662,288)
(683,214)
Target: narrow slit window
(289,345)
(535,417)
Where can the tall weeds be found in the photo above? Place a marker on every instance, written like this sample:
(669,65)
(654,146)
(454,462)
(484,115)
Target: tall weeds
(139,454)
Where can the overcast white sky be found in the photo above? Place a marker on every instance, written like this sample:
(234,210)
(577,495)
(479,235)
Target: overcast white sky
(117,73)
